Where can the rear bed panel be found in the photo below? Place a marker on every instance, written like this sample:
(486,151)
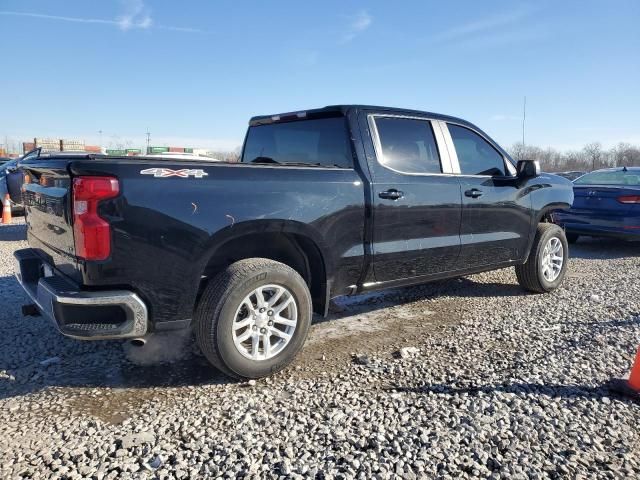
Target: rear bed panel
(164,230)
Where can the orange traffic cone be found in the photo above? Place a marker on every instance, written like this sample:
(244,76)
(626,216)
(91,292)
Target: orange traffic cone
(631,386)
(6,209)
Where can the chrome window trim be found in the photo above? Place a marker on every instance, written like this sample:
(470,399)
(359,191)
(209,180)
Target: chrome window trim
(445,164)
(454,155)
(445,156)
(448,141)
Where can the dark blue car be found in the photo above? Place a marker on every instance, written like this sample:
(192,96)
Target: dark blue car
(606,204)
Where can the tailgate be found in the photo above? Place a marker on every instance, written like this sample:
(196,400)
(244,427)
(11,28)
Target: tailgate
(47,204)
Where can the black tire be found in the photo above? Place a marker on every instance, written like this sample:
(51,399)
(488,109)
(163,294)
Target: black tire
(530,275)
(217,307)
(572,237)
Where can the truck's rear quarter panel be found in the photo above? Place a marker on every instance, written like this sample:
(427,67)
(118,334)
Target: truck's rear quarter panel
(164,230)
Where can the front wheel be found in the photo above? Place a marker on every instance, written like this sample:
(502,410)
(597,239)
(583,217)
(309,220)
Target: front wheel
(253,318)
(547,263)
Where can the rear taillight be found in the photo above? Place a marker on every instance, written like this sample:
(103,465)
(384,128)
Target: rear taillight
(629,199)
(91,232)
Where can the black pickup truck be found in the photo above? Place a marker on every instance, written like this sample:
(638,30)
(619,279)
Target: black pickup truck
(326,202)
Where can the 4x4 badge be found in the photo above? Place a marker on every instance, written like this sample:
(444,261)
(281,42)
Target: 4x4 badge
(167,172)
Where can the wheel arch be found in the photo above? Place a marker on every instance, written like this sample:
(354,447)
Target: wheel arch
(293,243)
(543,215)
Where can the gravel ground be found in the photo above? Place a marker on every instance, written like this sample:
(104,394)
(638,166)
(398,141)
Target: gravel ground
(457,379)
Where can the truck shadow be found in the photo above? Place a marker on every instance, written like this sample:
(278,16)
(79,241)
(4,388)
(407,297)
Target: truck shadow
(34,356)
(464,287)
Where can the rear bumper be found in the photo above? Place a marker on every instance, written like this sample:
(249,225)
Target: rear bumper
(86,315)
(604,225)
(602,232)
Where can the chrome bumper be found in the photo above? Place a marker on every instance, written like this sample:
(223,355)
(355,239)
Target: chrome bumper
(84,315)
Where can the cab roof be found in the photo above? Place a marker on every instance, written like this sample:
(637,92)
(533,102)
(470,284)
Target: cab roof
(334,110)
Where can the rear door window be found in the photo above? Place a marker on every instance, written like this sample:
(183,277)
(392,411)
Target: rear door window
(408,145)
(476,156)
(322,141)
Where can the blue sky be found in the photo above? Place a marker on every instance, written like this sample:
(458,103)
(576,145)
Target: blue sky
(194,72)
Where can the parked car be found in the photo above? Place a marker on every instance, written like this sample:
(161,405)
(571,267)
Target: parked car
(11,179)
(570,175)
(333,201)
(606,204)
(8,172)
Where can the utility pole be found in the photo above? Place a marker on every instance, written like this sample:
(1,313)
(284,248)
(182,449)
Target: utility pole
(148,139)
(524,119)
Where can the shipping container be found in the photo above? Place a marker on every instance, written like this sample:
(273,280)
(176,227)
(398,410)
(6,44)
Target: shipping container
(116,152)
(176,149)
(93,148)
(188,150)
(135,151)
(72,141)
(157,149)
(48,144)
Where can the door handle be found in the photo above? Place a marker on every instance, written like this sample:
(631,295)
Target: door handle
(391,194)
(473,193)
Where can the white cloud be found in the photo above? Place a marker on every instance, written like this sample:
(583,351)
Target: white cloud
(59,17)
(358,23)
(492,30)
(136,16)
(489,23)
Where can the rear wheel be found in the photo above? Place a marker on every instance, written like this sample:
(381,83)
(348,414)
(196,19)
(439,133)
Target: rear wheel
(547,263)
(253,318)
(572,237)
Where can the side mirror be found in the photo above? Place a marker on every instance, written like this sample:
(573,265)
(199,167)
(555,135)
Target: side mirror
(528,168)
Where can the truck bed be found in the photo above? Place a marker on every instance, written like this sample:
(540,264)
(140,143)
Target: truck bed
(164,226)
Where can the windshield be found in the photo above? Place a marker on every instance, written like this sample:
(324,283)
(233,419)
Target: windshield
(322,141)
(610,177)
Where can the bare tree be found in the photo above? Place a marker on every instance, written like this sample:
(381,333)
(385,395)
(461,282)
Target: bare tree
(625,154)
(593,154)
(591,157)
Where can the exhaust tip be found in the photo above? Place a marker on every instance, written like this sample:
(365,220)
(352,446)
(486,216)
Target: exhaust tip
(138,342)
